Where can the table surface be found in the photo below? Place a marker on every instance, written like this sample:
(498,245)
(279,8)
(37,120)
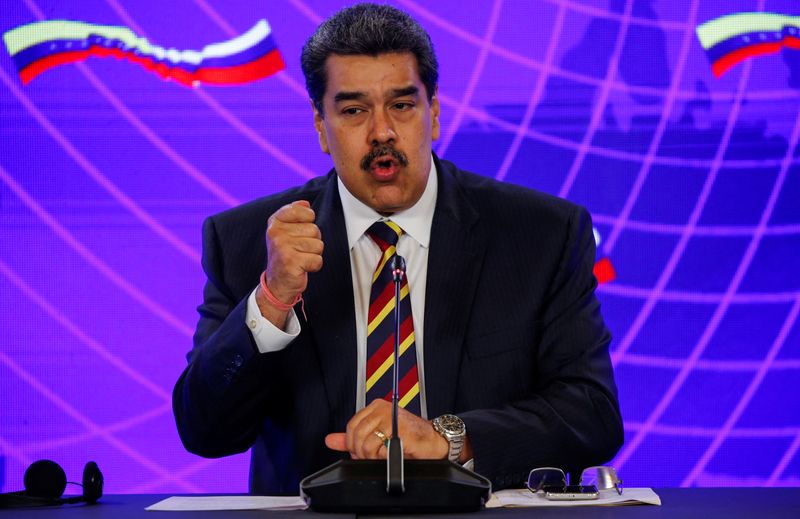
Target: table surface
(701,503)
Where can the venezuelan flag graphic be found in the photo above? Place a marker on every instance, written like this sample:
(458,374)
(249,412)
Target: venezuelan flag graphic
(40,46)
(731,39)
(604,270)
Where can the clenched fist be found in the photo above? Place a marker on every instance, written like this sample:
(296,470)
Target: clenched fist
(294,248)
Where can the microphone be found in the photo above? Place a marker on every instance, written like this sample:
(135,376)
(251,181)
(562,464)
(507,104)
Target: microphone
(375,486)
(395,484)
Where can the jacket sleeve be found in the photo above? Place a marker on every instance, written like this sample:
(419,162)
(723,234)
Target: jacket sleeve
(571,418)
(221,398)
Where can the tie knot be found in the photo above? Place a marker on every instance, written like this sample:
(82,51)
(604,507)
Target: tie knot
(385,233)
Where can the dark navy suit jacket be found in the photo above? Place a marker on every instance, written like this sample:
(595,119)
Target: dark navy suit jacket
(514,340)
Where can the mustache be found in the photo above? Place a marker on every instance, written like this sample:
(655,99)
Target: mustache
(380,151)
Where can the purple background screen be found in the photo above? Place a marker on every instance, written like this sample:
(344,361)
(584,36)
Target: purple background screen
(106,173)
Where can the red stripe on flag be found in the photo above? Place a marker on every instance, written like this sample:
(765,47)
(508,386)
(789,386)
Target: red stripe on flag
(262,67)
(730,60)
(30,72)
(387,348)
(604,271)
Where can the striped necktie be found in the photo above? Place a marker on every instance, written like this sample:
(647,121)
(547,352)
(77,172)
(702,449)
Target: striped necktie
(381,326)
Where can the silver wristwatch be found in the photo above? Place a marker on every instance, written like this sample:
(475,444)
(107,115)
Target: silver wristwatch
(453,430)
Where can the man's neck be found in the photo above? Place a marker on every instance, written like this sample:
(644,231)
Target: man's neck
(415,221)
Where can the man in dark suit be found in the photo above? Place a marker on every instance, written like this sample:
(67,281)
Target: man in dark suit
(515,371)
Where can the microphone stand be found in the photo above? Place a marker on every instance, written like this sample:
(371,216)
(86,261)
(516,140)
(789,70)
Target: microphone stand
(377,486)
(395,484)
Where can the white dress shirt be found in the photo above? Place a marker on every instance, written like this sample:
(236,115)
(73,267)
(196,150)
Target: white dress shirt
(413,245)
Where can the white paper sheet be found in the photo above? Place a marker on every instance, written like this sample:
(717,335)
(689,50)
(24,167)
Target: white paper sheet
(523,497)
(201,503)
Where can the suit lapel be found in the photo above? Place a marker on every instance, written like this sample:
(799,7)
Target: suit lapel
(454,263)
(330,308)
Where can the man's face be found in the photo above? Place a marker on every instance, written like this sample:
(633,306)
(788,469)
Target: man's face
(378,127)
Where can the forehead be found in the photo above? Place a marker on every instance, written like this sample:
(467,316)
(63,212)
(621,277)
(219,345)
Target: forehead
(371,75)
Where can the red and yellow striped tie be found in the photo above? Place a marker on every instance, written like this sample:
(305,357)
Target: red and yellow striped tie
(381,326)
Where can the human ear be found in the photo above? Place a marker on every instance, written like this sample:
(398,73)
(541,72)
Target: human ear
(435,109)
(319,126)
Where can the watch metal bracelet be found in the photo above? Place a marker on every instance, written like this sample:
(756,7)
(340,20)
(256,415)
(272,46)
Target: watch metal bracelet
(456,446)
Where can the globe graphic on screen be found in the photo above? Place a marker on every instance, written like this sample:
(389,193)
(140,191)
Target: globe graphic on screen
(692,181)
(694,187)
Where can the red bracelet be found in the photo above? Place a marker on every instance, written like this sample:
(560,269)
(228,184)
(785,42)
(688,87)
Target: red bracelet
(278,303)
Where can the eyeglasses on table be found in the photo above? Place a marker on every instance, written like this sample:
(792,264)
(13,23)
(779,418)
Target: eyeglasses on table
(602,477)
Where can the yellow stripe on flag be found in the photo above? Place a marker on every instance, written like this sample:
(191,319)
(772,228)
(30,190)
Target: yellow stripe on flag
(389,361)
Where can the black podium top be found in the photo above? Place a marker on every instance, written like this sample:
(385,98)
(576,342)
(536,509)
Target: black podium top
(683,503)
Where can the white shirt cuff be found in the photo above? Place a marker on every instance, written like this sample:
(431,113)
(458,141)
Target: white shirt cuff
(268,337)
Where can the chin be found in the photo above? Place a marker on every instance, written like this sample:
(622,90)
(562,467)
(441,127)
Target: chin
(386,210)
(389,204)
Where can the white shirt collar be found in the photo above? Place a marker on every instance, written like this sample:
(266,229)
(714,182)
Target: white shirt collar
(415,221)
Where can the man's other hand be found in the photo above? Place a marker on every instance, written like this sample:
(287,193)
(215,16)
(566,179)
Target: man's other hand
(294,248)
(420,440)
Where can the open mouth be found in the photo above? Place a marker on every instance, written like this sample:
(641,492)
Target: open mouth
(384,168)
(384,162)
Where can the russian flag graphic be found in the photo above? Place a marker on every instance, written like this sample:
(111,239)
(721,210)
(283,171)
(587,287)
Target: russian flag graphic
(731,39)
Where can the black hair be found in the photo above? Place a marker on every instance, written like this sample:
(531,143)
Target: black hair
(367,29)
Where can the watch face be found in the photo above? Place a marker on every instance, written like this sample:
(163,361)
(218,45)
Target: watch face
(451,424)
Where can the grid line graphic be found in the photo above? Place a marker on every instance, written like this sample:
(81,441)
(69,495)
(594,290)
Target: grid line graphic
(466,97)
(103,268)
(790,453)
(600,104)
(75,414)
(655,142)
(709,432)
(97,175)
(667,272)
(745,401)
(623,155)
(107,173)
(726,301)
(664,277)
(559,72)
(536,98)
(224,113)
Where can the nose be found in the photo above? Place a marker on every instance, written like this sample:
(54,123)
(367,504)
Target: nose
(382,128)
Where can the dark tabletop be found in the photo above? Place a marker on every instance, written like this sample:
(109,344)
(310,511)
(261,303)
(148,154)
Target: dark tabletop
(701,503)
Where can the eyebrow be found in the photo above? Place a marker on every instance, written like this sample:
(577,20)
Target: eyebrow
(397,92)
(407,91)
(348,96)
